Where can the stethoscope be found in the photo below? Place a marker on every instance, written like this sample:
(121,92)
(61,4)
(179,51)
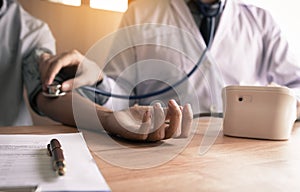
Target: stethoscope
(208,11)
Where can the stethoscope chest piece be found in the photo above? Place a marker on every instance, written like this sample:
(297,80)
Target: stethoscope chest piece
(54,90)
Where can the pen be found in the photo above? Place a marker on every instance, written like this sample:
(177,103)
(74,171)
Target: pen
(55,151)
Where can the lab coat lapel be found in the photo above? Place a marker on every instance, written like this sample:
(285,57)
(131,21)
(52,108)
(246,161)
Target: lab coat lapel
(226,22)
(186,19)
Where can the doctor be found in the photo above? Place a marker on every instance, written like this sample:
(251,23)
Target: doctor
(248,48)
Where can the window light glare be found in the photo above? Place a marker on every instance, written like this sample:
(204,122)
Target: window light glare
(111,5)
(68,2)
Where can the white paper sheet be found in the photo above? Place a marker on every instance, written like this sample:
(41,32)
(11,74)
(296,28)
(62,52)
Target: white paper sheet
(24,162)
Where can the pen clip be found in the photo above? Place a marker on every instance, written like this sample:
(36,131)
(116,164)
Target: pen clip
(49,150)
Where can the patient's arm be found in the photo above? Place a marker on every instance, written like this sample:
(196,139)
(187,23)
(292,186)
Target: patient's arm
(135,123)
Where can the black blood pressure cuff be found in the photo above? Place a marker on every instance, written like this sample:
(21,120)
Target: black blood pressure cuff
(102,85)
(31,76)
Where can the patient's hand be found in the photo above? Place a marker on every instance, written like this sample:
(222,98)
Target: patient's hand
(150,123)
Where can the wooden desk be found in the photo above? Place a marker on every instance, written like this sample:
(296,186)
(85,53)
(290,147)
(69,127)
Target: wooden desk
(231,164)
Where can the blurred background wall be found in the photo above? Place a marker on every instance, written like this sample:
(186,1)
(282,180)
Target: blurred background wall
(74,27)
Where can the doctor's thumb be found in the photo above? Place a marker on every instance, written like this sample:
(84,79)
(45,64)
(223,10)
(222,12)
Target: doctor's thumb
(67,85)
(74,83)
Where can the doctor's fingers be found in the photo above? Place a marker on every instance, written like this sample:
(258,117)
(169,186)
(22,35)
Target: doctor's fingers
(44,57)
(56,63)
(78,81)
(88,73)
(187,120)
(174,115)
(159,126)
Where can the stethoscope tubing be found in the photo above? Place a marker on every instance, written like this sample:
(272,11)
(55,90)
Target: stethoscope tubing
(164,90)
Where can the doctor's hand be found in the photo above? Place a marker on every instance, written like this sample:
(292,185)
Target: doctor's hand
(145,123)
(72,66)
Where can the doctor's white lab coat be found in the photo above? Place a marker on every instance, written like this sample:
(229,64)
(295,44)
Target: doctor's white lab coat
(159,43)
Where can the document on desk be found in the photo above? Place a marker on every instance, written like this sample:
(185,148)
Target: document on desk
(24,162)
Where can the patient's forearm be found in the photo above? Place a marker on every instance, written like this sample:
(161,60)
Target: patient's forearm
(73,110)
(134,123)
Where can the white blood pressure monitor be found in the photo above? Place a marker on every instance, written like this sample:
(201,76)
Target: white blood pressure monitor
(258,112)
